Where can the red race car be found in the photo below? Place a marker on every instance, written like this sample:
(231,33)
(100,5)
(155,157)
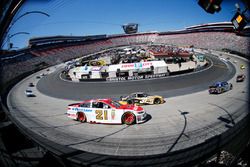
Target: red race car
(106,111)
(240,78)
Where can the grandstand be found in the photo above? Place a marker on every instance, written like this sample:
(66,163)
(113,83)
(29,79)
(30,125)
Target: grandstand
(57,49)
(62,39)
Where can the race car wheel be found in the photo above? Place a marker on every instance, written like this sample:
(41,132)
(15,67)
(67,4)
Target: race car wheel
(157,101)
(231,86)
(219,91)
(128,118)
(81,117)
(130,101)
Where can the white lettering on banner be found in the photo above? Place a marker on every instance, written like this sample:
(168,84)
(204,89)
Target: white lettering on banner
(117,79)
(135,77)
(155,76)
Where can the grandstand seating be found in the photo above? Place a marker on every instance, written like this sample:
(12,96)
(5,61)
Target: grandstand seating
(57,53)
(208,40)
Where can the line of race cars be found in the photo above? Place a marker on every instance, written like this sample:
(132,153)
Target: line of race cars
(128,110)
(220,87)
(28,92)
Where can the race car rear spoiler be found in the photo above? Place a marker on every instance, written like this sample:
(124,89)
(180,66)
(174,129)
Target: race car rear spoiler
(212,87)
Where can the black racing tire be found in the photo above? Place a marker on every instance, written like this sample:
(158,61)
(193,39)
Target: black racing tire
(130,101)
(222,90)
(81,117)
(128,118)
(157,101)
(219,91)
(231,86)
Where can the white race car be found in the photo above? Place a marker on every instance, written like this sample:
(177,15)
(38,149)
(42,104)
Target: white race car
(29,93)
(106,111)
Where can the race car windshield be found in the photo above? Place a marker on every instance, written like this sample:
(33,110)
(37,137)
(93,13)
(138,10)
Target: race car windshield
(216,84)
(116,104)
(146,95)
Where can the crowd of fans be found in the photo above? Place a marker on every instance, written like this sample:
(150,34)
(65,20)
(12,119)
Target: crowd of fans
(209,40)
(133,39)
(168,51)
(58,54)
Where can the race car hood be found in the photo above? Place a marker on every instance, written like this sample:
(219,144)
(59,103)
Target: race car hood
(131,107)
(160,97)
(73,105)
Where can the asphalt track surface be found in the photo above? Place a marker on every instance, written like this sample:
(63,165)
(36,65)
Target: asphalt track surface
(185,120)
(53,85)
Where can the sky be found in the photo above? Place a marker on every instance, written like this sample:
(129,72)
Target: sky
(94,17)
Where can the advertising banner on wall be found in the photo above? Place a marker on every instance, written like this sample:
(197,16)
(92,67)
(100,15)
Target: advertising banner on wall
(141,77)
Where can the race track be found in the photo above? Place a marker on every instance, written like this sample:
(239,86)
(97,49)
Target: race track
(189,117)
(52,85)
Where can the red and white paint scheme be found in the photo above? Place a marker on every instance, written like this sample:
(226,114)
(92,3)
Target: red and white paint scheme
(106,111)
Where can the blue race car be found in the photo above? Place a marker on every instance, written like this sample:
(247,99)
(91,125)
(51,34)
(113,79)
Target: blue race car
(220,87)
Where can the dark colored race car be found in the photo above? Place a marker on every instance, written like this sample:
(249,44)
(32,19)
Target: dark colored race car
(31,84)
(220,87)
(240,78)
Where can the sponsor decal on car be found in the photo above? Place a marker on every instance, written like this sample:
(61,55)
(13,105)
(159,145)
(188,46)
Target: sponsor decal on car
(113,114)
(82,109)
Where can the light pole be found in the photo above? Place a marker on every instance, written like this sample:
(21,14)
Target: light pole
(14,21)
(26,13)
(10,36)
